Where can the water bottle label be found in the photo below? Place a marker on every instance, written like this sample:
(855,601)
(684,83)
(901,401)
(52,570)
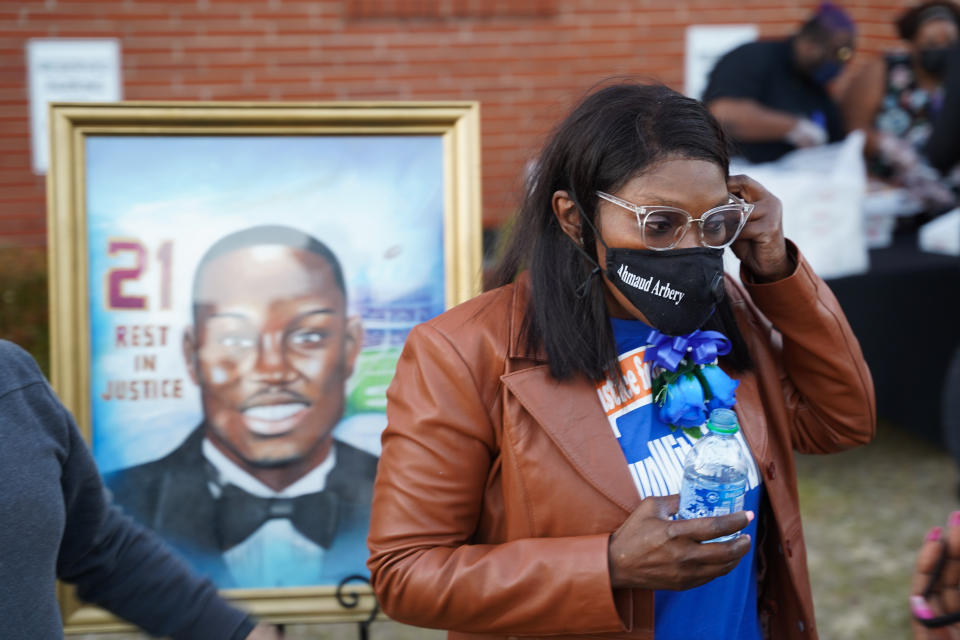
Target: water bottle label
(718,500)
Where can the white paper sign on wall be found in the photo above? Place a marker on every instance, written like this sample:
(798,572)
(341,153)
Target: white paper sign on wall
(68,70)
(705,45)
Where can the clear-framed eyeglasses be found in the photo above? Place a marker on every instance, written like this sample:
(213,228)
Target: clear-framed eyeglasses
(663,227)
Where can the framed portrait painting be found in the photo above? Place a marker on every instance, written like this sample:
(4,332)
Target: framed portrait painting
(231,287)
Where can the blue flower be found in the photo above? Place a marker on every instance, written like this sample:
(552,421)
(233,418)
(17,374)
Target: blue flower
(684,403)
(722,387)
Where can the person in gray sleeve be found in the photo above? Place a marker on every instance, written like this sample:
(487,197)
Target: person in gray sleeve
(58,522)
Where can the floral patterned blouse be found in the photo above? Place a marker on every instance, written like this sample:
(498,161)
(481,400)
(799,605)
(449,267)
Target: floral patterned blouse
(907,111)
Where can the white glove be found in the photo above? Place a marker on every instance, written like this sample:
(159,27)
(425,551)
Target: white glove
(806,133)
(923,182)
(899,153)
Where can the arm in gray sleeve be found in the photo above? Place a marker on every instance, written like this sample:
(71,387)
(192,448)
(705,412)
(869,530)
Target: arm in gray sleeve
(123,567)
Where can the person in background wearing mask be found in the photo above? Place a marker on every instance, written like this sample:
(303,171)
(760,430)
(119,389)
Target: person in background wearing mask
(771,96)
(943,147)
(897,99)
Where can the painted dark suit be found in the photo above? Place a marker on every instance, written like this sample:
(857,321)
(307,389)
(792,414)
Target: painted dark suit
(172,496)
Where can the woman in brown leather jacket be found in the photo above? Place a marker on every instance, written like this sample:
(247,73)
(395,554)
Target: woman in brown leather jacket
(511,499)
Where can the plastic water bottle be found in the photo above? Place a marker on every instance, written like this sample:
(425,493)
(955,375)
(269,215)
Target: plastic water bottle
(715,472)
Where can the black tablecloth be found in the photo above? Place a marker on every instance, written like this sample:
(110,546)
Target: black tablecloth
(906,313)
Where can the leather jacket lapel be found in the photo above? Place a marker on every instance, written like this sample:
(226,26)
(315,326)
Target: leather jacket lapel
(571,414)
(752,420)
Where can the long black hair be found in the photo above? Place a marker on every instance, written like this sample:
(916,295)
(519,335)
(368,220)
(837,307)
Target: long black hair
(611,137)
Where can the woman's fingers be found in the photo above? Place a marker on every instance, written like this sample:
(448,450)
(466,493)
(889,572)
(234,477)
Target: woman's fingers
(766,217)
(935,589)
(950,578)
(927,560)
(650,551)
(761,245)
(747,188)
(703,529)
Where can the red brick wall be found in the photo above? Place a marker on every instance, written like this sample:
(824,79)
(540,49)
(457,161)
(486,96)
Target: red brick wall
(525,60)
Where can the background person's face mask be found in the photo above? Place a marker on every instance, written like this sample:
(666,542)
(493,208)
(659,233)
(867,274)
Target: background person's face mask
(823,73)
(934,60)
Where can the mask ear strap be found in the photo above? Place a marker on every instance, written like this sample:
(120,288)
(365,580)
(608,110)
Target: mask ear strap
(716,288)
(586,218)
(584,287)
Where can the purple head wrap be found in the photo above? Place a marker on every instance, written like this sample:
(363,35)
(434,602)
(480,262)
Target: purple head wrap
(834,18)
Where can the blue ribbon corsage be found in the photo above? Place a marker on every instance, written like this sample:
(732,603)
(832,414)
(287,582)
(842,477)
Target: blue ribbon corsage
(687,383)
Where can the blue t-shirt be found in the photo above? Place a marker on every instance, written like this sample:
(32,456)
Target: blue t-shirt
(726,607)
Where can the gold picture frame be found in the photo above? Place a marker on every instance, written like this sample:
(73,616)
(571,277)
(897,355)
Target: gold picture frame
(121,174)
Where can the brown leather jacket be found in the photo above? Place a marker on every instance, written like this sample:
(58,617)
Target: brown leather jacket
(499,485)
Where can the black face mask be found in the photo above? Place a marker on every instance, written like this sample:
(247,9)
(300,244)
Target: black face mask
(934,61)
(676,290)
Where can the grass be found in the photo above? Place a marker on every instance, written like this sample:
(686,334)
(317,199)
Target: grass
(865,513)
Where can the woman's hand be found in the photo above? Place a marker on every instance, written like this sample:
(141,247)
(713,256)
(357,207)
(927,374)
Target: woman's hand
(938,574)
(761,246)
(651,552)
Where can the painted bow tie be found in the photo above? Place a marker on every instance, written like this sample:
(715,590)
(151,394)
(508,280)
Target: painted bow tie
(240,514)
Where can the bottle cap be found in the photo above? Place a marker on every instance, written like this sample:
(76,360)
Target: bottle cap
(723,421)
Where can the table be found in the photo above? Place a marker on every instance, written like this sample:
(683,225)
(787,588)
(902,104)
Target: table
(905,311)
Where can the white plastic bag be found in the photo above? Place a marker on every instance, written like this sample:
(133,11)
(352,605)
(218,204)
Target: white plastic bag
(822,190)
(942,234)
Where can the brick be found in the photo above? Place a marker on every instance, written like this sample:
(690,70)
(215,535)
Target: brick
(27,226)
(36,184)
(14,197)
(528,61)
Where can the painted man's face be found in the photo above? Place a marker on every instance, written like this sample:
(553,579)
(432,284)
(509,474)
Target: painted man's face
(272,349)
